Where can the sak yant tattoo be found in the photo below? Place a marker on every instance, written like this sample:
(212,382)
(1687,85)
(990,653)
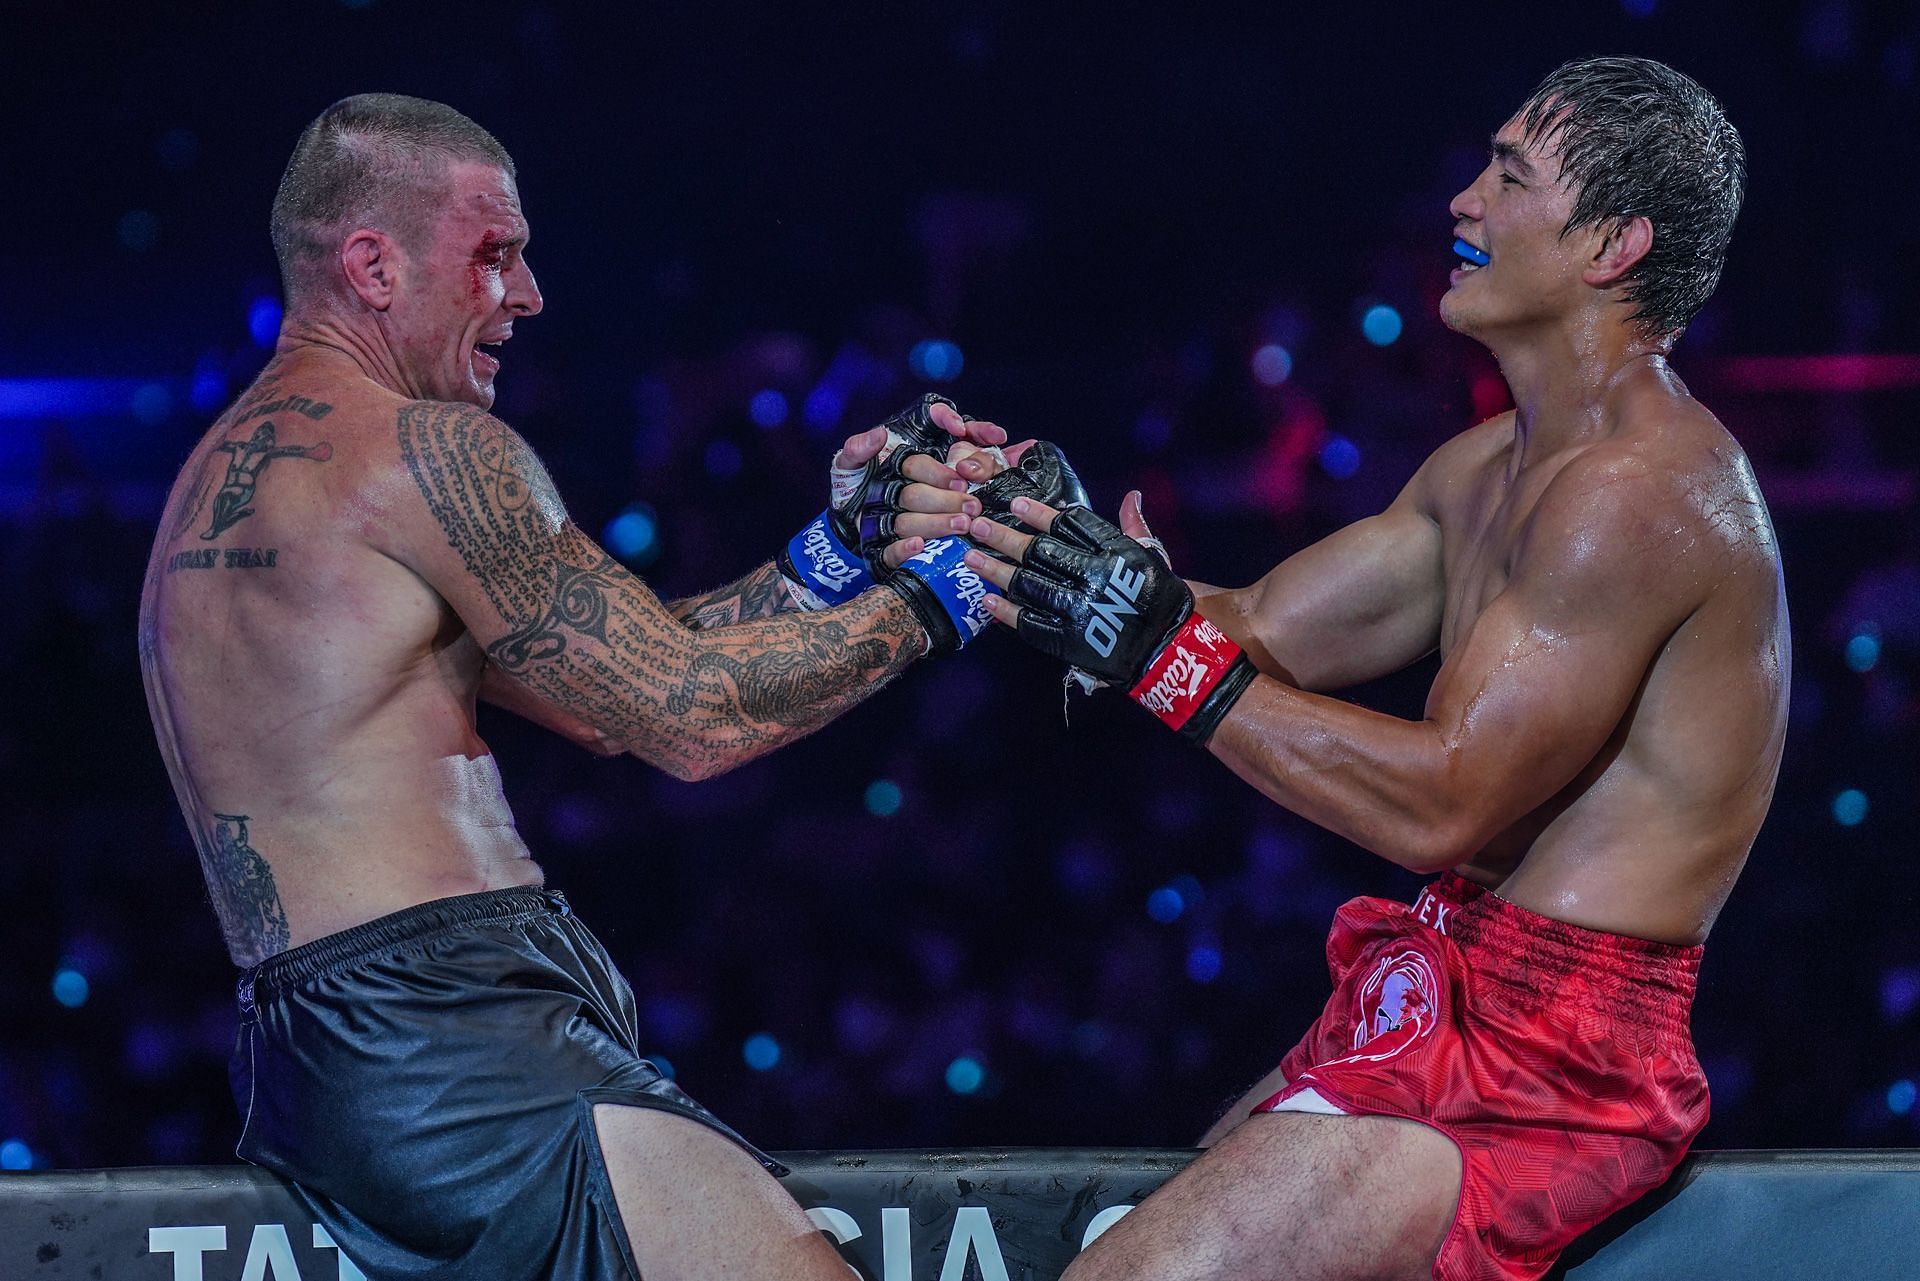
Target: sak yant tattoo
(591,639)
(244,894)
(761,594)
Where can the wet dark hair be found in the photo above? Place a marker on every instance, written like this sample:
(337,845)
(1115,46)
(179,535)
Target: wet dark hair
(375,160)
(1638,139)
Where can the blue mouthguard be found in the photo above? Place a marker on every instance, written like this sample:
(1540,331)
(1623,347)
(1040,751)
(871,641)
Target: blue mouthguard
(1475,256)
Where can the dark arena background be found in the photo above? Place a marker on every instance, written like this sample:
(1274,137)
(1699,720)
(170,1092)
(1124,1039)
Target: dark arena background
(1199,247)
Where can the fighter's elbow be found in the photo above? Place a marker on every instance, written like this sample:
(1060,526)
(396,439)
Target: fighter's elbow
(1445,832)
(1430,852)
(700,764)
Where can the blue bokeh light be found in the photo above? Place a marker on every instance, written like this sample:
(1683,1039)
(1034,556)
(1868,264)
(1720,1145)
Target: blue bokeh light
(1639,8)
(768,409)
(1850,807)
(761,1052)
(1152,430)
(965,1074)
(663,1065)
(1899,992)
(263,320)
(936,360)
(634,534)
(1900,1097)
(1863,649)
(151,404)
(209,386)
(1272,365)
(15,1155)
(1381,325)
(723,460)
(1340,457)
(1204,963)
(884,798)
(1165,905)
(823,407)
(70,988)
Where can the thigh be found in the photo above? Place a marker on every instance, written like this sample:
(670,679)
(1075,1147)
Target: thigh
(1300,1197)
(696,1206)
(1263,1089)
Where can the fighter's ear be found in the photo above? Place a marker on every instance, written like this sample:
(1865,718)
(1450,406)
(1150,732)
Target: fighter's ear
(1627,241)
(371,263)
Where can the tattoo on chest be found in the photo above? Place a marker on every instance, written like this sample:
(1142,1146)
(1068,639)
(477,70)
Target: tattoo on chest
(244,894)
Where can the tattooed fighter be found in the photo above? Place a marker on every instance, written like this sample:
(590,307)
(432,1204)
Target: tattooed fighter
(1506,1061)
(433,1047)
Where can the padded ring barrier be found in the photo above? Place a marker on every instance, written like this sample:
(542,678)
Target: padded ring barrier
(1014,1215)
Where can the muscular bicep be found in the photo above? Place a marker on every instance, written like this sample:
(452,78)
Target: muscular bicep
(1361,603)
(571,626)
(1549,671)
(557,616)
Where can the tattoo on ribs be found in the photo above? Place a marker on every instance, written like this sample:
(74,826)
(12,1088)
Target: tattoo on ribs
(242,887)
(589,638)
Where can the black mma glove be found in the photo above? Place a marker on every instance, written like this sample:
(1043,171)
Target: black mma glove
(1042,474)
(840,554)
(1099,601)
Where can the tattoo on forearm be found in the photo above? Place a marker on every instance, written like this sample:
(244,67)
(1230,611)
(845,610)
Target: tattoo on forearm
(761,594)
(784,687)
(590,639)
(242,887)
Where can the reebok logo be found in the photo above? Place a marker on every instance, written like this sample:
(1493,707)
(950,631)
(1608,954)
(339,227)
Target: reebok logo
(1121,597)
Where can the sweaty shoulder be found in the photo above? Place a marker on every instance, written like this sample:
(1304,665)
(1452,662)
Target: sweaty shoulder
(1454,470)
(1672,497)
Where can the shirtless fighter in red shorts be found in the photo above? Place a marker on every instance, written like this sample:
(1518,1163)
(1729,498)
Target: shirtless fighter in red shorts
(1507,1061)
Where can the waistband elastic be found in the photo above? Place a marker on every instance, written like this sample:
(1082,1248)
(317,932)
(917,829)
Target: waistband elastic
(1652,982)
(409,925)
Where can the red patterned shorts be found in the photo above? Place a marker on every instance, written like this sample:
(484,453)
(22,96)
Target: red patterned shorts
(1556,1058)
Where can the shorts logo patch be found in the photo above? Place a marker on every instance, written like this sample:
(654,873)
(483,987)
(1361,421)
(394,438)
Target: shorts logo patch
(1399,1004)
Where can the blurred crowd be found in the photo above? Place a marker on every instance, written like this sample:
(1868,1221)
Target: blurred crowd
(977,910)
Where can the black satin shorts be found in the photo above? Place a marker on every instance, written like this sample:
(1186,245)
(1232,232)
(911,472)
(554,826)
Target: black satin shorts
(427,1081)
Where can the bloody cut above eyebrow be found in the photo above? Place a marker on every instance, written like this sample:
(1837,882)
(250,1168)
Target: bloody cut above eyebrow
(494,242)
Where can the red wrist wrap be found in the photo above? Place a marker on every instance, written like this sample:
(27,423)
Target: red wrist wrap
(1184,672)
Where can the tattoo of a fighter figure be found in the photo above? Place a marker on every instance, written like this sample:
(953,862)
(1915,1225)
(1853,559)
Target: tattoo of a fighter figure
(249,459)
(244,894)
